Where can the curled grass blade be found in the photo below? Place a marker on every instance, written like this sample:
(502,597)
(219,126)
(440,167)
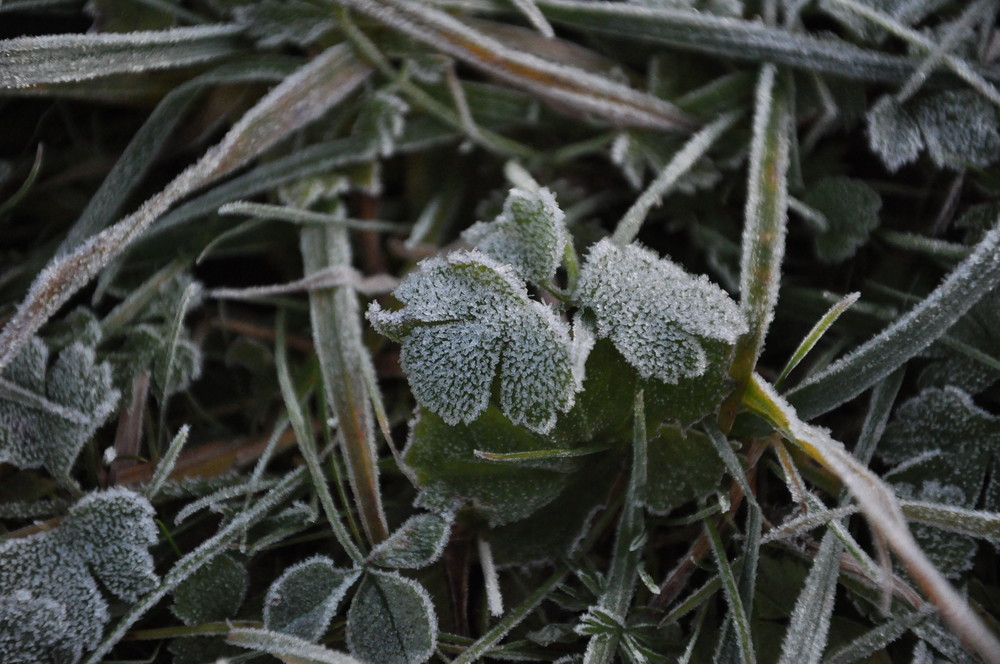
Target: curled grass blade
(298,100)
(918,328)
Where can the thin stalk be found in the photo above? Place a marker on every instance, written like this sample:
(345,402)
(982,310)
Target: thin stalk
(344,360)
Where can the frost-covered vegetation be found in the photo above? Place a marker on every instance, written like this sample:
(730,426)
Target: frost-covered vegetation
(400,331)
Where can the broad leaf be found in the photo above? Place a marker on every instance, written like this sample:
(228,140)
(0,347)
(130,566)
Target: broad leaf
(46,416)
(466,316)
(417,543)
(451,475)
(683,466)
(960,129)
(304,599)
(529,234)
(58,574)
(391,621)
(660,318)
(850,208)
(893,133)
(214,592)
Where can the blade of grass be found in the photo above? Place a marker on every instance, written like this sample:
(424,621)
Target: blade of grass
(298,100)
(731,590)
(877,638)
(718,36)
(307,444)
(805,637)
(962,69)
(815,334)
(882,510)
(36,167)
(906,337)
(562,84)
(975,523)
(286,647)
(166,464)
(297,216)
(681,163)
(344,362)
(155,134)
(31,61)
(625,558)
(764,227)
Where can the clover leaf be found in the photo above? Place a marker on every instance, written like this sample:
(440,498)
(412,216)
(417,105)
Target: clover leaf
(529,234)
(665,323)
(465,316)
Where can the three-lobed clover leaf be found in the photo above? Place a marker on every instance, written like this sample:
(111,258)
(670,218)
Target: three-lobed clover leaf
(529,234)
(666,323)
(57,575)
(466,316)
(47,415)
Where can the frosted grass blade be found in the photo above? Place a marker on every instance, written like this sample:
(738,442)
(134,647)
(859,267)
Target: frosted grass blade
(286,647)
(880,506)
(878,637)
(32,61)
(816,333)
(166,463)
(918,328)
(737,613)
(976,523)
(806,634)
(718,36)
(562,84)
(298,100)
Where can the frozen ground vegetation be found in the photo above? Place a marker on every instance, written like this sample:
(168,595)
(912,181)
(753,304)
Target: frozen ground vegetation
(571,331)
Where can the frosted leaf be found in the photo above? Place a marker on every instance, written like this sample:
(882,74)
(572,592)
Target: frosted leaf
(34,630)
(960,129)
(683,466)
(70,403)
(304,599)
(147,347)
(417,543)
(626,154)
(391,621)
(529,234)
(850,208)
(381,120)
(464,315)
(79,326)
(893,133)
(656,314)
(214,592)
(966,438)
(102,542)
(980,329)
(950,552)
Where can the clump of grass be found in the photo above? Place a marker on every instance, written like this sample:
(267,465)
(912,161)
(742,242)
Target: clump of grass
(685,311)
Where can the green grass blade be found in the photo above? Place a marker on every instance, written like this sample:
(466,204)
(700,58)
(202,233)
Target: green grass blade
(36,167)
(307,445)
(816,333)
(166,464)
(298,100)
(975,523)
(344,362)
(32,61)
(806,634)
(730,588)
(877,638)
(718,36)
(918,328)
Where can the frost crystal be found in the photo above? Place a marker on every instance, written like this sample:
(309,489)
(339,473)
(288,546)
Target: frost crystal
(656,314)
(529,234)
(52,416)
(466,314)
(55,577)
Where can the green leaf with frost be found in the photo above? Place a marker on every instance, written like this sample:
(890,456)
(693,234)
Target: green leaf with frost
(942,437)
(304,599)
(415,544)
(893,133)
(391,621)
(529,234)
(979,330)
(683,466)
(950,552)
(660,318)
(850,208)
(146,348)
(960,129)
(214,592)
(47,414)
(465,318)
(450,475)
(103,543)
